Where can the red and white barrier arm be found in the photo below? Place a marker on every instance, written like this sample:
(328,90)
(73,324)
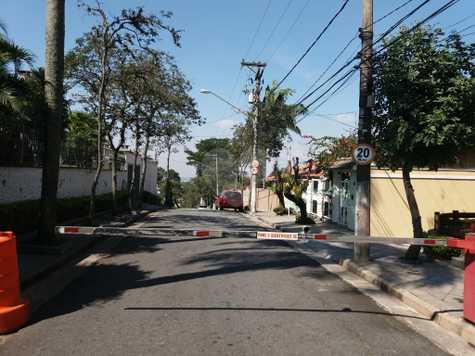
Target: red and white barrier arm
(265,235)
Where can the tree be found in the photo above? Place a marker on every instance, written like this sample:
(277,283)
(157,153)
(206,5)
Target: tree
(277,186)
(79,141)
(241,154)
(204,161)
(174,133)
(90,61)
(54,73)
(277,119)
(327,150)
(173,183)
(294,185)
(424,112)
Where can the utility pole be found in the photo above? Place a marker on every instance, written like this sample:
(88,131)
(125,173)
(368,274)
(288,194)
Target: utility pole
(217,182)
(361,250)
(258,69)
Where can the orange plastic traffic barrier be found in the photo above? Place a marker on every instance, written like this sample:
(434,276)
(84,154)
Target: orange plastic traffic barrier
(14,310)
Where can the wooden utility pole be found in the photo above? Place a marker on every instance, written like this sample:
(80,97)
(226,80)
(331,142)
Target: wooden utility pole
(361,250)
(258,69)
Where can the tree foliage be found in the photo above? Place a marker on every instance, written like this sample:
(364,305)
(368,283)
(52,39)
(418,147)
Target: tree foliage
(327,150)
(424,106)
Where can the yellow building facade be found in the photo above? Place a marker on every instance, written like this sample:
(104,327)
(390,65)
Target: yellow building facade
(436,191)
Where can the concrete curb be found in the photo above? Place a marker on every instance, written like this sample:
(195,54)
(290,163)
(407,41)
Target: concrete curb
(448,322)
(457,325)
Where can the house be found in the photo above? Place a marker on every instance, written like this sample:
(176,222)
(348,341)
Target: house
(436,191)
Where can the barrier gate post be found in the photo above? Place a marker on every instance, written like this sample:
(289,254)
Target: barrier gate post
(469,282)
(14,310)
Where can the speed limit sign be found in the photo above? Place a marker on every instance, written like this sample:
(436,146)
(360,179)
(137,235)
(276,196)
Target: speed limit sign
(363,154)
(255,164)
(254,170)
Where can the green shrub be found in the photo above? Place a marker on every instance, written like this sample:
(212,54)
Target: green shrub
(307,221)
(440,252)
(22,217)
(150,198)
(280,210)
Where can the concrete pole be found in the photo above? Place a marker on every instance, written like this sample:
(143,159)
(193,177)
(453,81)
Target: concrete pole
(217,182)
(361,250)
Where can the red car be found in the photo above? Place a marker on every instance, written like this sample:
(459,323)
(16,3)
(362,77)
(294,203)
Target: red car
(230,199)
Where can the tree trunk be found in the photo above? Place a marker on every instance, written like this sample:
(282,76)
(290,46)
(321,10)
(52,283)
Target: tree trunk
(413,251)
(144,167)
(100,148)
(168,191)
(115,208)
(300,204)
(280,196)
(133,183)
(54,73)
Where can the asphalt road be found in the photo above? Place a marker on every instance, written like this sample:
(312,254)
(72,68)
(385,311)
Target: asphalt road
(228,296)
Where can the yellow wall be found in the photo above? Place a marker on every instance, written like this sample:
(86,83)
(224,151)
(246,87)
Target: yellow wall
(266,199)
(442,191)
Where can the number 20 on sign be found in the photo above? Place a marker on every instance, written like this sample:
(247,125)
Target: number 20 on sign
(363,154)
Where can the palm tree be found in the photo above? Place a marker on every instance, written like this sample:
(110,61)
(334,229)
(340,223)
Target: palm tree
(12,57)
(54,74)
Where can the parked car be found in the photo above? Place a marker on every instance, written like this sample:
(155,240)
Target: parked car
(229,200)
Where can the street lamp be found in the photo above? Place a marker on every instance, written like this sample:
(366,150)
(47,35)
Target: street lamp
(206,91)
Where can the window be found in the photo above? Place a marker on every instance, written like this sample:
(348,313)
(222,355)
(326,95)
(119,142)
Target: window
(314,206)
(315,186)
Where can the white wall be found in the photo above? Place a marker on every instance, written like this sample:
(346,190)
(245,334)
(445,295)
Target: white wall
(24,183)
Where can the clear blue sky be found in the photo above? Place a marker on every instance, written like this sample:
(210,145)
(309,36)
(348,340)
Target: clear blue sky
(217,34)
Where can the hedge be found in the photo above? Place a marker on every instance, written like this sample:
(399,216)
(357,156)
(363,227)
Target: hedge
(22,217)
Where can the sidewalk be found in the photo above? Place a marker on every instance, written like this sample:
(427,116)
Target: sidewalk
(433,288)
(34,263)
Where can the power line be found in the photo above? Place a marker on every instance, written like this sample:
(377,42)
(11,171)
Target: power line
(346,77)
(284,38)
(462,20)
(313,43)
(344,80)
(434,14)
(466,28)
(258,28)
(266,43)
(348,44)
(443,8)
(238,76)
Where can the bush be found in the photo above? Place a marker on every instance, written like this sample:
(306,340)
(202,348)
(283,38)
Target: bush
(281,210)
(440,252)
(307,221)
(152,199)
(22,217)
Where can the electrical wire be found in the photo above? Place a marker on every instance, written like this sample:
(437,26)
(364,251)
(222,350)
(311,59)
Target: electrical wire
(462,20)
(279,21)
(439,11)
(284,38)
(445,7)
(313,44)
(344,80)
(466,28)
(258,28)
(348,45)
